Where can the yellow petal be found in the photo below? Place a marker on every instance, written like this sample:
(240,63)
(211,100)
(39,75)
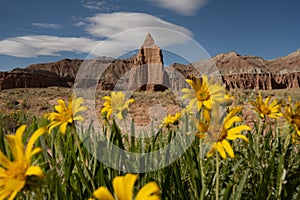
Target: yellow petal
(221,150)
(228,148)
(32,140)
(267,100)
(149,191)
(206,115)
(53,125)
(34,171)
(231,121)
(16,147)
(6,193)
(189,81)
(20,131)
(106,98)
(123,186)
(273,104)
(212,151)
(208,104)
(186,90)
(63,128)
(59,109)
(129,181)
(238,129)
(119,187)
(14,185)
(4,161)
(120,116)
(36,150)
(234,137)
(102,193)
(78,118)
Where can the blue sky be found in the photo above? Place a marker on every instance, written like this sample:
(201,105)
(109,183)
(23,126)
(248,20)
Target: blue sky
(37,31)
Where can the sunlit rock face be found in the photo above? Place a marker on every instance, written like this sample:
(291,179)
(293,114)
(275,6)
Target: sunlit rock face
(147,72)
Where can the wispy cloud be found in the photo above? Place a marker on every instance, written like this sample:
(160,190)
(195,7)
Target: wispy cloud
(117,34)
(100,5)
(126,31)
(46,25)
(80,23)
(183,7)
(42,45)
(106,25)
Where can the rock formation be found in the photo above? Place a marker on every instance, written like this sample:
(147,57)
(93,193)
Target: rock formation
(250,72)
(26,78)
(147,71)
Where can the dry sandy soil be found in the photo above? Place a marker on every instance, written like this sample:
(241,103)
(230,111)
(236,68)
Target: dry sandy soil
(148,105)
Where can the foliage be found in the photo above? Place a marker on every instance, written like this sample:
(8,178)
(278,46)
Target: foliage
(267,167)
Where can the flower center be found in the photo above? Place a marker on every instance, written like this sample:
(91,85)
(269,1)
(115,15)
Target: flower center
(296,120)
(67,116)
(17,170)
(264,110)
(202,95)
(222,135)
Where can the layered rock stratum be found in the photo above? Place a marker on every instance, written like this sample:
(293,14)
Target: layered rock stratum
(146,72)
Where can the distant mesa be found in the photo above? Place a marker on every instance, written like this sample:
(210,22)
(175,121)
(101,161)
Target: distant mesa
(146,72)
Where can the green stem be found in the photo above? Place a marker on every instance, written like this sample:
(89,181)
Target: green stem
(81,157)
(281,163)
(202,170)
(217,174)
(260,130)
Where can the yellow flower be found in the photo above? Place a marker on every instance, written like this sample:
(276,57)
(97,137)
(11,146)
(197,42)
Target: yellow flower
(171,120)
(229,132)
(202,128)
(65,114)
(115,104)
(266,109)
(292,114)
(13,174)
(203,93)
(229,99)
(123,187)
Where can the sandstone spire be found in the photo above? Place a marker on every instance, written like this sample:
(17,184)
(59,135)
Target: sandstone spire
(149,42)
(147,72)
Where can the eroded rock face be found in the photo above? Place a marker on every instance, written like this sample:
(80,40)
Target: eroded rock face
(147,72)
(115,77)
(26,78)
(65,68)
(249,72)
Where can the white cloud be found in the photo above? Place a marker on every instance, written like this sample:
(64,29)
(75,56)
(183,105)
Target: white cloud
(46,25)
(125,31)
(33,46)
(100,5)
(118,34)
(106,25)
(79,23)
(183,7)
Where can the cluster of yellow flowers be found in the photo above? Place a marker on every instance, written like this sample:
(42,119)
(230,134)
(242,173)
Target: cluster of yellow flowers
(13,174)
(204,95)
(274,110)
